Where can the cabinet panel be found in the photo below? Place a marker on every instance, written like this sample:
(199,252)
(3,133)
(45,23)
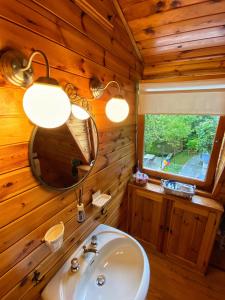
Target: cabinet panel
(146,216)
(185,234)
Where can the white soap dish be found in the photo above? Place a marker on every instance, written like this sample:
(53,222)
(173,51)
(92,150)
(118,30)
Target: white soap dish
(54,237)
(99,200)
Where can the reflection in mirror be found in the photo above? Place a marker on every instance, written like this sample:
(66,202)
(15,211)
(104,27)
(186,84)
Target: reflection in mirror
(62,157)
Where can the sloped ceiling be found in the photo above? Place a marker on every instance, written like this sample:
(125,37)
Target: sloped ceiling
(178,37)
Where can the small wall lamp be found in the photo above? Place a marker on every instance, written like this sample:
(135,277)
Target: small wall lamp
(80,105)
(117,108)
(45,102)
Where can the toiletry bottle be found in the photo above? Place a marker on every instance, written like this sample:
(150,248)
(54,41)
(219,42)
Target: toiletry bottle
(80,213)
(80,208)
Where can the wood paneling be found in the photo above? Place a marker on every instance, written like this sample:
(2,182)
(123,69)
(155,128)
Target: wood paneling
(219,183)
(169,31)
(184,230)
(78,46)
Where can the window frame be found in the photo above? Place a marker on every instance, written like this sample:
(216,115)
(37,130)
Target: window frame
(207,184)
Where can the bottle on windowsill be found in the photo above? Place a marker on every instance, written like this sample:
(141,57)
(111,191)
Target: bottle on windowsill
(140,178)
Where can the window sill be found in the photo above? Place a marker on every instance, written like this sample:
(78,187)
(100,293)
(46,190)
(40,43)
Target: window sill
(201,198)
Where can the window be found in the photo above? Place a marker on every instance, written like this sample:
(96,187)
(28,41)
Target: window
(181,146)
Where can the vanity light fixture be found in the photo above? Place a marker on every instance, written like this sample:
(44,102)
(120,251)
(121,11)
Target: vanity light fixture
(45,102)
(79,113)
(117,108)
(80,105)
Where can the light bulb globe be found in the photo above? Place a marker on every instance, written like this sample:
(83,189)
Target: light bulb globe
(46,105)
(79,113)
(117,109)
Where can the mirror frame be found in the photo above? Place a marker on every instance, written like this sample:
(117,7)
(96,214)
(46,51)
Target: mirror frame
(31,142)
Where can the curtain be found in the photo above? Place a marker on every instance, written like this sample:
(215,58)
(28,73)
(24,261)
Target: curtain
(197,97)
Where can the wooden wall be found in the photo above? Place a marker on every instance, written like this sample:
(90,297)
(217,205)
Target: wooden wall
(219,183)
(78,46)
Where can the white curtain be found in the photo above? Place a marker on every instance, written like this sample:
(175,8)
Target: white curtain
(197,97)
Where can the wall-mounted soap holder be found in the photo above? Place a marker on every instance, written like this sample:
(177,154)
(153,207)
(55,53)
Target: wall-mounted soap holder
(100,200)
(54,237)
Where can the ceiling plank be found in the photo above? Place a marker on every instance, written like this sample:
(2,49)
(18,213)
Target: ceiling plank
(143,9)
(186,46)
(175,15)
(194,74)
(189,36)
(190,54)
(186,61)
(185,77)
(181,27)
(190,66)
(178,37)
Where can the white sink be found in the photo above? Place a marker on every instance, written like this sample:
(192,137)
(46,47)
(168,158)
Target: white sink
(121,267)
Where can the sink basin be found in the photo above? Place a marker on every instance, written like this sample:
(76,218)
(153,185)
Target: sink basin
(120,271)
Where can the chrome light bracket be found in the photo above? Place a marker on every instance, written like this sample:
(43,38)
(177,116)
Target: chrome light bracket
(96,87)
(12,64)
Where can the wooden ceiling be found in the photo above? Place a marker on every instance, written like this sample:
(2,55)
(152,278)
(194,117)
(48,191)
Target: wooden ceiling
(178,37)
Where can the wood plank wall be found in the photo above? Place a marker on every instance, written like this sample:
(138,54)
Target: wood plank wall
(219,184)
(78,47)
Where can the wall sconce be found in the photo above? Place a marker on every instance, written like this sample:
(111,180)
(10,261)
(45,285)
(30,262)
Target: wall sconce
(80,105)
(79,113)
(45,102)
(117,108)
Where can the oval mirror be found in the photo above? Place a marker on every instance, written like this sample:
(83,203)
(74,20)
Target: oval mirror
(62,157)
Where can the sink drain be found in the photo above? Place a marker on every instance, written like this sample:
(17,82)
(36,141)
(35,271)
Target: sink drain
(100,280)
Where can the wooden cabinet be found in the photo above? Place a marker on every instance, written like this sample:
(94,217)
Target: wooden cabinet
(146,216)
(183,230)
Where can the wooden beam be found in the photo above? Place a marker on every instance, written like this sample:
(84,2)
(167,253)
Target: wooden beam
(93,12)
(120,13)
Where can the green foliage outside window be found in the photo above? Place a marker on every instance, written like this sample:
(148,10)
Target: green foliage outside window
(166,134)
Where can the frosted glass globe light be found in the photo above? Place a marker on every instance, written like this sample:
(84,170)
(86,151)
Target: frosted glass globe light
(46,104)
(117,109)
(79,113)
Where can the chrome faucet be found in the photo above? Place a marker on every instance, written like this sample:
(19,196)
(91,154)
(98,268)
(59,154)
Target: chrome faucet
(87,250)
(75,266)
(92,247)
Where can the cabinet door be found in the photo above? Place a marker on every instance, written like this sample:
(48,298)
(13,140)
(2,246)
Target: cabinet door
(190,234)
(146,216)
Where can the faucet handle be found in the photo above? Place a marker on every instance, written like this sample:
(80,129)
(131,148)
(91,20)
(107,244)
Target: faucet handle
(75,266)
(94,240)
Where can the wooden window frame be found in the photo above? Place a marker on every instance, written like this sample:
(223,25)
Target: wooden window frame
(207,184)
